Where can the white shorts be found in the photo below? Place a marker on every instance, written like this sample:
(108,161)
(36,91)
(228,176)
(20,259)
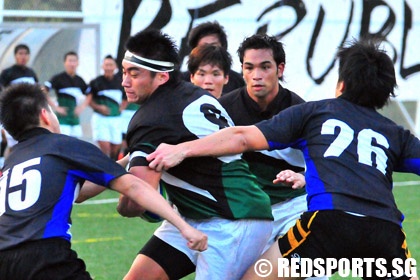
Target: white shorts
(107,129)
(125,119)
(285,214)
(71,130)
(233,246)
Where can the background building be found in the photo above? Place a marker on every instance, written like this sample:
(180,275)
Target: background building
(310,29)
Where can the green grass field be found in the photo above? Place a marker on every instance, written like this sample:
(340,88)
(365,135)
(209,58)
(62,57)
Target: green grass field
(108,243)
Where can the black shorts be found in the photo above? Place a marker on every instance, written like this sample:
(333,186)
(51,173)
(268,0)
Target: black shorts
(47,259)
(175,263)
(337,234)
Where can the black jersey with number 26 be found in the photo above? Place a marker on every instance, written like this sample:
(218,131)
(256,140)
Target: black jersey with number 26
(350,153)
(40,181)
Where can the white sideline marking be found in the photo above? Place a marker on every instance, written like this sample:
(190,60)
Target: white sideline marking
(99,201)
(406,183)
(115,200)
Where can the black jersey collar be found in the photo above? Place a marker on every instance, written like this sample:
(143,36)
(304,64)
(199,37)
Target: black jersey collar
(272,108)
(32,132)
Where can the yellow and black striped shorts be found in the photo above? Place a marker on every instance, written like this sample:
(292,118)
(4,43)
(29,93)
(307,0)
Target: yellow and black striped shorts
(338,234)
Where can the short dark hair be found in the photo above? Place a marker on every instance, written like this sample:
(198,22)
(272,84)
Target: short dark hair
(70,53)
(367,72)
(22,47)
(20,106)
(109,57)
(209,54)
(205,29)
(153,44)
(263,41)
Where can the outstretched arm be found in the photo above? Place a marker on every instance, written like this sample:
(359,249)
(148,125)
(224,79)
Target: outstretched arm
(228,141)
(143,194)
(90,189)
(127,207)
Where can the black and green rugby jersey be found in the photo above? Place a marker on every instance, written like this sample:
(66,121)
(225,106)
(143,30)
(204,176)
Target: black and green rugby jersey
(202,187)
(70,92)
(266,164)
(17,74)
(107,92)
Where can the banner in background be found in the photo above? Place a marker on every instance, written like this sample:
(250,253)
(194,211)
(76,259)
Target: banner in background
(310,30)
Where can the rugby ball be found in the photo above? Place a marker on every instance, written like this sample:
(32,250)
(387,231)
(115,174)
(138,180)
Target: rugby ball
(152,217)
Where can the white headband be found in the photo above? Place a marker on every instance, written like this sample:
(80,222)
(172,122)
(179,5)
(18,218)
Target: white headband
(149,64)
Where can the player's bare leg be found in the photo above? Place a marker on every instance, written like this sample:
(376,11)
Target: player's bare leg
(145,268)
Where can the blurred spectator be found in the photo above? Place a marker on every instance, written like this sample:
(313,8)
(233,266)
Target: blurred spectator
(17,73)
(107,98)
(70,90)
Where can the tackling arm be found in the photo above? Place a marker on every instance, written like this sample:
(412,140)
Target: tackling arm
(228,141)
(143,194)
(127,207)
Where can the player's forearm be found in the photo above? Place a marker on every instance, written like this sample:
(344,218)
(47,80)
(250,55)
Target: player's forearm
(89,190)
(227,141)
(95,106)
(151,200)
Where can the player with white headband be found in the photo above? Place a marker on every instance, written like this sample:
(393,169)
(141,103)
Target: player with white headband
(149,64)
(218,196)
